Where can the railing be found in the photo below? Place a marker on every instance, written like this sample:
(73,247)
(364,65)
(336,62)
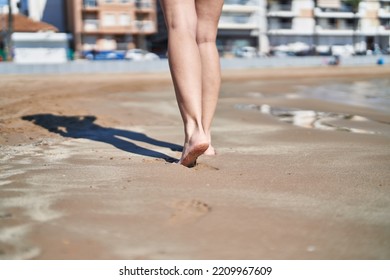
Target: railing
(385,23)
(144,25)
(337,24)
(91,24)
(90,3)
(242,2)
(386,9)
(143,4)
(236,19)
(344,9)
(276,26)
(280,8)
(338,27)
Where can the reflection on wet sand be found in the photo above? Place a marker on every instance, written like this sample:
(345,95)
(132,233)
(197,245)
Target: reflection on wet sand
(310,118)
(374,94)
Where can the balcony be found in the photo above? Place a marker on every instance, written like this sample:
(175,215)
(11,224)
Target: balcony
(91,25)
(384,28)
(281,10)
(242,2)
(241,6)
(144,26)
(237,21)
(384,12)
(280,25)
(143,5)
(90,4)
(94,26)
(334,13)
(335,30)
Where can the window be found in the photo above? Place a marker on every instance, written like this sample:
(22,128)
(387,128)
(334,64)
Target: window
(332,22)
(350,23)
(109,20)
(124,20)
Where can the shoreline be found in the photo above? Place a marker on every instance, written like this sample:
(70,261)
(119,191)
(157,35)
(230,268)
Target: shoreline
(309,72)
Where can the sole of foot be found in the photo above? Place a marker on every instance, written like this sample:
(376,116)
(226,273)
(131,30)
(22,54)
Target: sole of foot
(190,159)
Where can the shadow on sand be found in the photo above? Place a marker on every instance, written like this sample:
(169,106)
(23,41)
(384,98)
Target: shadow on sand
(84,127)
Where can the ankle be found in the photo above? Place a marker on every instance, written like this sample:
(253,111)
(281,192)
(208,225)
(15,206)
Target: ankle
(192,128)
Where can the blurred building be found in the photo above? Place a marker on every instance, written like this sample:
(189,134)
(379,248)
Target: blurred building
(290,21)
(35,41)
(29,38)
(374,24)
(49,11)
(243,23)
(104,25)
(360,25)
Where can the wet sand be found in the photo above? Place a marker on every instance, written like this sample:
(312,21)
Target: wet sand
(86,170)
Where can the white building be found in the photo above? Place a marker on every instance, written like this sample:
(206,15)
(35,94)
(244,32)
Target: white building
(243,23)
(298,24)
(327,23)
(290,21)
(40,47)
(33,40)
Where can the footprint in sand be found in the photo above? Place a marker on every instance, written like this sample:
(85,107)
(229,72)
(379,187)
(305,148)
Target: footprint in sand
(204,166)
(188,211)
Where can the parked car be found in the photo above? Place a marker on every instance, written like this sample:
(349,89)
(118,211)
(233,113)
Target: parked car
(323,50)
(103,55)
(342,50)
(138,54)
(246,52)
(281,51)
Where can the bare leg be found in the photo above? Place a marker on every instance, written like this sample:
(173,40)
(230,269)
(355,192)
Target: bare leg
(208,13)
(185,64)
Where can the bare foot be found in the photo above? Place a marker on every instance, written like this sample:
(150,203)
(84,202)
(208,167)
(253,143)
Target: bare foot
(210,151)
(191,154)
(193,149)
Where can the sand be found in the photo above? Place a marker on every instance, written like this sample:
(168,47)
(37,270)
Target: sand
(86,170)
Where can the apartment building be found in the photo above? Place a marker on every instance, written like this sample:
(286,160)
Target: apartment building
(243,23)
(105,25)
(376,22)
(290,21)
(330,22)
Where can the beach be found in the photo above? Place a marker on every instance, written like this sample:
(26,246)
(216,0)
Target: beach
(302,171)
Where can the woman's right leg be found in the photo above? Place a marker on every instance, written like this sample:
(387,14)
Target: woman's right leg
(185,65)
(208,13)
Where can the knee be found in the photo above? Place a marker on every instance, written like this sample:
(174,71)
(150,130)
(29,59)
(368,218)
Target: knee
(205,38)
(183,27)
